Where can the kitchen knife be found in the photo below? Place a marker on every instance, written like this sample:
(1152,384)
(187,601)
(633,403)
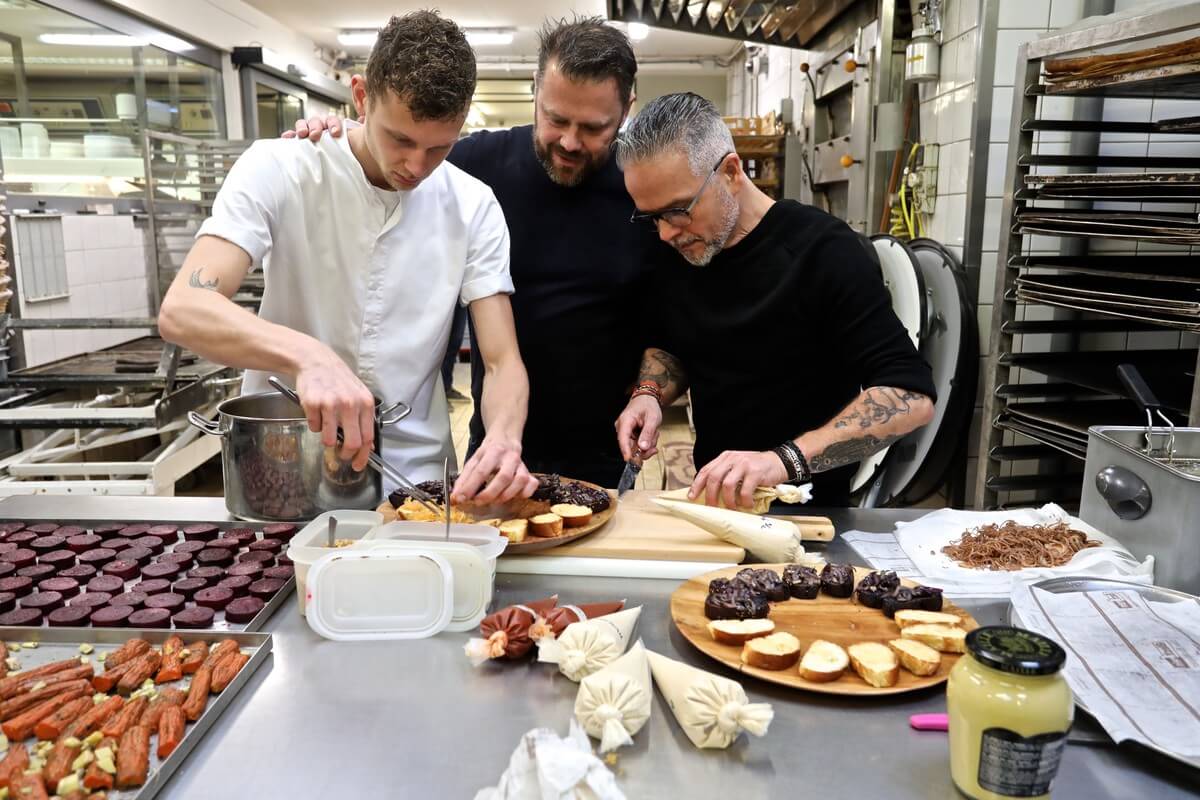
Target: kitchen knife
(633,468)
(446,494)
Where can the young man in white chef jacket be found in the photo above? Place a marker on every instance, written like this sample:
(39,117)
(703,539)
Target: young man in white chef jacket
(366,243)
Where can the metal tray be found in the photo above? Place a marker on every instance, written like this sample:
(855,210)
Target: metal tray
(1151,593)
(219,623)
(55,644)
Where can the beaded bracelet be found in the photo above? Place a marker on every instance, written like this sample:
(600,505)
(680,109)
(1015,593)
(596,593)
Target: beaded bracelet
(649,389)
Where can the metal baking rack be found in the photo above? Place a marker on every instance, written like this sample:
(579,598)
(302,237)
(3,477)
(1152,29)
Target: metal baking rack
(1124,263)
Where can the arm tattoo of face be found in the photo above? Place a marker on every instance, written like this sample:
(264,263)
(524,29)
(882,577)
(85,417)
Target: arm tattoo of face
(661,368)
(850,452)
(878,407)
(196,282)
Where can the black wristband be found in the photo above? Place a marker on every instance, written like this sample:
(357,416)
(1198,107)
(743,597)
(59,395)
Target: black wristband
(799,464)
(788,463)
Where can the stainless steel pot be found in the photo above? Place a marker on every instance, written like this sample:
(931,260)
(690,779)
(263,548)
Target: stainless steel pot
(275,469)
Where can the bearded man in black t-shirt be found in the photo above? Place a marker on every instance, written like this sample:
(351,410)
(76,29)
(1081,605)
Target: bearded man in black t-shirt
(771,312)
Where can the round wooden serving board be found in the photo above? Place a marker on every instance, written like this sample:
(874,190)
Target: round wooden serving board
(533,543)
(841,621)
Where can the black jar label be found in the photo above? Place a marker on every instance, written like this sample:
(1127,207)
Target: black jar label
(1012,765)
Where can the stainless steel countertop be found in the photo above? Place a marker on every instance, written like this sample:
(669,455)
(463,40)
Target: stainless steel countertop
(415,720)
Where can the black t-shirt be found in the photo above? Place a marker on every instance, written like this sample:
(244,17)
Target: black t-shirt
(780,332)
(580,269)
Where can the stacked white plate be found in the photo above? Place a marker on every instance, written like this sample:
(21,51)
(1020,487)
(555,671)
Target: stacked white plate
(35,141)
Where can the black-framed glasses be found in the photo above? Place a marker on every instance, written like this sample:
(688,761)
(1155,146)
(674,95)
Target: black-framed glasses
(679,217)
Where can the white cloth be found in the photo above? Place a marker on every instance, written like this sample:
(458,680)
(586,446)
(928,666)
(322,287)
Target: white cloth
(380,290)
(547,767)
(923,539)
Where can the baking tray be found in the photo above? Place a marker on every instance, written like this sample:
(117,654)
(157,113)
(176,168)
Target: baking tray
(1184,301)
(1155,594)
(1113,310)
(219,623)
(55,644)
(1168,269)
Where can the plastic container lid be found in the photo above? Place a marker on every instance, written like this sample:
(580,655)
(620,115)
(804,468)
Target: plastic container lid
(473,577)
(380,593)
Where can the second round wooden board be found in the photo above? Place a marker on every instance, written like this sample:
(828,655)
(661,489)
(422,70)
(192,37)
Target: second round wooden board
(841,621)
(599,519)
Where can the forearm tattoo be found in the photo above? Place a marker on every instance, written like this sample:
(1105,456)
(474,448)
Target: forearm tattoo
(196,282)
(662,368)
(878,407)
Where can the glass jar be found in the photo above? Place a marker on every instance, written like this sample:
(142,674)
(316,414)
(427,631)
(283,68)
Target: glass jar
(1009,711)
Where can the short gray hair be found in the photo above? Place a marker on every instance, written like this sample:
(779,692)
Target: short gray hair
(681,122)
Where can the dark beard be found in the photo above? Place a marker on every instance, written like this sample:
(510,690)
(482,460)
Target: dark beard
(545,157)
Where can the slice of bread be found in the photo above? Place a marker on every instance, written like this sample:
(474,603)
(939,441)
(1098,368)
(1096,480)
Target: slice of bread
(942,638)
(776,651)
(823,662)
(515,529)
(874,663)
(573,516)
(546,525)
(739,631)
(907,617)
(917,658)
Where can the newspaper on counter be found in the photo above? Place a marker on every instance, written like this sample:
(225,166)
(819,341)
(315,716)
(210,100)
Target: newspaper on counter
(914,551)
(546,766)
(1133,663)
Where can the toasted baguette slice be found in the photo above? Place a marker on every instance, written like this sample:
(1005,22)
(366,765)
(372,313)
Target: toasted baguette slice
(546,525)
(917,658)
(573,516)
(776,651)
(942,638)
(515,529)
(874,663)
(907,617)
(739,631)
(823,662)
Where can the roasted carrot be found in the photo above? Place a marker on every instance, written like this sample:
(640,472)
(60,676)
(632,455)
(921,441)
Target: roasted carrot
(197,655)
(93,720)
(52,726)
(21,726)
(197,696)
(133,757)
(58,763)
(172,661)
(170,730)
(169,696)
(27,786)
(94,777)
(127,718)
(81,672)
(11,685)
(14,763)
(227,670)
(126,652)
(139,671)
(105,681)
(24,702)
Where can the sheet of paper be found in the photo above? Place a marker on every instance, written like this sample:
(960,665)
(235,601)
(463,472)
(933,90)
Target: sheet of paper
(1133,664)
(883,551)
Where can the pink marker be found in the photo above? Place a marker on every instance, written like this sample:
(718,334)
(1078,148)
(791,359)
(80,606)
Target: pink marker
(929,722)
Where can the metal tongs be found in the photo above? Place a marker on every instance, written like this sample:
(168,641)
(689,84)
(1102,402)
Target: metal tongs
(374,459)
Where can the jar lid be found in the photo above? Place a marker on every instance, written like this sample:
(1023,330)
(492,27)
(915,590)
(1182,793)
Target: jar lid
(1015,650)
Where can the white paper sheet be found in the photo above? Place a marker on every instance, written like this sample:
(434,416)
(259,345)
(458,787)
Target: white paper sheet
(546,766)
(1133,664)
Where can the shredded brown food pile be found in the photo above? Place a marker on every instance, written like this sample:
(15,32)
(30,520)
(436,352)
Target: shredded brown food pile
(1012,546)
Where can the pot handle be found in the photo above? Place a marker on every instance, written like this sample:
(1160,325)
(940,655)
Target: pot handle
(209,426)
(390,415)
(1125,492)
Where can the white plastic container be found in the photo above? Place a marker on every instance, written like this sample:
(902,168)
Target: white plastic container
(474,580)
(380,593)
(307,546)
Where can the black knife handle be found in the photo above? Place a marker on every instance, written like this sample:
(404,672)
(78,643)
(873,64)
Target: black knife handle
(1137,388)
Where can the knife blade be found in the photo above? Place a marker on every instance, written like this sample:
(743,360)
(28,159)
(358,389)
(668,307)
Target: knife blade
(633,468)
(446,494)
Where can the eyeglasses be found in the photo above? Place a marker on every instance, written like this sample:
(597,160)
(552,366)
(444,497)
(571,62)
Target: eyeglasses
(679,217)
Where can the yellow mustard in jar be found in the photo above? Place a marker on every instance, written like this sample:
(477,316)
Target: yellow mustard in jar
(1009,711)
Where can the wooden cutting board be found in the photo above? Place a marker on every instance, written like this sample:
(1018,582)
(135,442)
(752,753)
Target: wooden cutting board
(642,530)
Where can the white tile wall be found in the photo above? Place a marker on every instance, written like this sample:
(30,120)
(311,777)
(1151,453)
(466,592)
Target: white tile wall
(1007,44)
(1024,14)
(106,274)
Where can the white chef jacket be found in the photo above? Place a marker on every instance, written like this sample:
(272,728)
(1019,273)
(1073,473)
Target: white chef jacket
(378,288)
